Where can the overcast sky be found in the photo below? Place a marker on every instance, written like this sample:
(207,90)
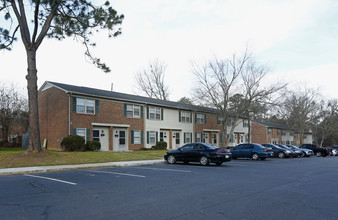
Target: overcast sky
(298,39)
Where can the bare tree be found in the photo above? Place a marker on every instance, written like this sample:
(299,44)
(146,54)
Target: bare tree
(151,81)
(185,100)
(299,108)
(12,105)
(235,88)
(323,126)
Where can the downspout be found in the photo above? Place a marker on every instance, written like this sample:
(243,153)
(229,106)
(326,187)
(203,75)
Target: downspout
(69,98)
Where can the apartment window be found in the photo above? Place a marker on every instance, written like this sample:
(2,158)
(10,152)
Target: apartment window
(220,120)
(152,137)
(270,131)
(155,113)
(200,118)
(283,132)
(177,138)
(137,137)
(86,106)
(185,116)
(81,132)
(198,137)
(245,123)
(279,132)
(231,138)
(187,137)
(231,122)
(132,111)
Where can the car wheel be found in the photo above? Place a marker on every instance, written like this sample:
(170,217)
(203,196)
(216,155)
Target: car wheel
(218,163)
(281,155)
(303,154)
(171,159)
(319,154)
(255,156)
(263,158)
(204,161)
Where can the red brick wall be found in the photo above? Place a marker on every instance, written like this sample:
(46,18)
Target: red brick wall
(53,117)
(259,133)
(211,124)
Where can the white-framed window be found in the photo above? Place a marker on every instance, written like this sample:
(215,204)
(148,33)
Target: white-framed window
(154,113)
(198,137)
(245,123)
(231,122)
(200,118)
(86,106)
(231,138)
(283,132)
(133,111)
(81,132)
(279,131)
(187,137)
(152,137)
(270,131)
(185,117)
(220,120)
(137,137)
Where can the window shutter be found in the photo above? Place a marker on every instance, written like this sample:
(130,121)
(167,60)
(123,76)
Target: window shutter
(132,136)
(125,110)
(156,137)
(88,134)
(184,137)
(179,116)
(141,111)
(74,131)
(74,104)
(190,117)
(147,137)
(190,137)
(195,117)
(195,137)
(141,137)
(162,114)
(148,116)
(205,118)
(96,107)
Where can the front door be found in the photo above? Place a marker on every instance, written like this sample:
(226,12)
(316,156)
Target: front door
(164,137)
(176,141)
(215,139)
(101,134)
(206,138)
(120,139)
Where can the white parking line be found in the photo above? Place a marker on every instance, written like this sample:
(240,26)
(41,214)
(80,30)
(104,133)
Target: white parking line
(52,179)
(162,169)
(124,174)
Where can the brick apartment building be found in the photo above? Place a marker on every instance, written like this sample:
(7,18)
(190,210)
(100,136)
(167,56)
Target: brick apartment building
(125,122)
(274,133)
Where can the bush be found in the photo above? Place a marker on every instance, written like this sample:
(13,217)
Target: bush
(93,145)
(160,146)
(73,143)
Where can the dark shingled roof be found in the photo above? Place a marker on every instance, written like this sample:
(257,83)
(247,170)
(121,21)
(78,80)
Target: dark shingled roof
(80,90)
(273,125)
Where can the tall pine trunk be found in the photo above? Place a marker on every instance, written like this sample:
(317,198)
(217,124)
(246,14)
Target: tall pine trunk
(34,131)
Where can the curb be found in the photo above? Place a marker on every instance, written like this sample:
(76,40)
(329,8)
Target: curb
(24,170)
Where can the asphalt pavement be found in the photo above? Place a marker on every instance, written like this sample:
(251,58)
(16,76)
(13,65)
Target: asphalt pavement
(41,169)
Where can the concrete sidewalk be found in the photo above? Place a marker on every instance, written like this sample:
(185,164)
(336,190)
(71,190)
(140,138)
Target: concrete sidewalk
(23,170)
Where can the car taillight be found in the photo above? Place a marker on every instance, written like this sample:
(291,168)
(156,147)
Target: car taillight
(223,151)
(266,150)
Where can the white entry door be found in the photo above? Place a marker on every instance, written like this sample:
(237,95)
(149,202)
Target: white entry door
(120,139)
(176,141)
(101,134)
(164,136)
(206,138)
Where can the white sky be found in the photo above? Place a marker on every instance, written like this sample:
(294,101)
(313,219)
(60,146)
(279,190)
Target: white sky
(298,39)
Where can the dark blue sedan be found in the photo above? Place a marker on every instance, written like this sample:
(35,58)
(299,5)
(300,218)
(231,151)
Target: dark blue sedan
(198,152)
(254,151)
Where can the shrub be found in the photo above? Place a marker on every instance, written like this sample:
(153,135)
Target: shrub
(73,143)
(161,145)
(93,145)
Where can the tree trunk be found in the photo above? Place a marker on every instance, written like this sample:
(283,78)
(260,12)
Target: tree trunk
(34,131)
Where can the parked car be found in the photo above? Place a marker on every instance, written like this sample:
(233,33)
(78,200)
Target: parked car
(305,152)
(333,150)
(278,151)
(298,152)
(254,151)
(318,151)
(199,152)
(291,152)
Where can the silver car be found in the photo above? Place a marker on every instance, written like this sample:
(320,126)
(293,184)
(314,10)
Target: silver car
(305,152)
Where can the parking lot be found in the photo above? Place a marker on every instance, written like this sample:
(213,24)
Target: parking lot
(295,188)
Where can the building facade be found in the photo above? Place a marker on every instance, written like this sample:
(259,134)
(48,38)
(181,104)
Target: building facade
(274,133)
(123,122)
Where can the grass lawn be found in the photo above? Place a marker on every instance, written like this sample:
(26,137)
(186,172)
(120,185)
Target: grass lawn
(10,158)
